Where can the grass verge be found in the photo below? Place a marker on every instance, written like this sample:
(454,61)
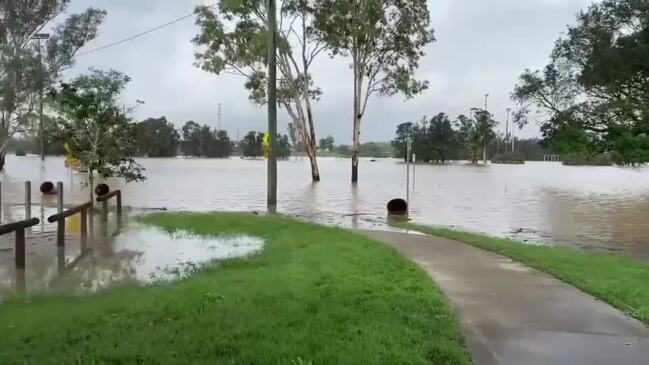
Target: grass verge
(618,280)
(313,295)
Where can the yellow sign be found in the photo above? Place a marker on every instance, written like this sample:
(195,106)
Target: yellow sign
(266,144)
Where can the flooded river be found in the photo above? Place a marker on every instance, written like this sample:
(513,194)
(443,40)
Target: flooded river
(591,207)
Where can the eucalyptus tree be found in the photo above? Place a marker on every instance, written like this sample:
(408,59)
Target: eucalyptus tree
(233,39)
(26,69)
(385,40)
(596,84)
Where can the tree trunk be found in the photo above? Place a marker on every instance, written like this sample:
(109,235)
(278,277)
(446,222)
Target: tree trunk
(315,171)
(312,151)
(484,154)
(356,145)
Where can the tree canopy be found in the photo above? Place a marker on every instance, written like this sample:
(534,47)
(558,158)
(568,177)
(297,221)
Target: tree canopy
(156,137)
(96,127)
(385,40)
(594,93)
(202,141)
(233,39)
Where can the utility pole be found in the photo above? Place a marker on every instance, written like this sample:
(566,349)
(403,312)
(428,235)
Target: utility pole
(272,103)
(220,117)
(41,133)
(486,101)
(509,110)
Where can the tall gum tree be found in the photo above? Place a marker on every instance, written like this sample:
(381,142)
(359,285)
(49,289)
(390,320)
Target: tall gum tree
(26,68)
(596,86)
(385,40)
(236,43)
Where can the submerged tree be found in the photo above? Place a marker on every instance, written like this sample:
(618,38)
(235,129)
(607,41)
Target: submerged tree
(400,143)
(242,49)
(97,129)
(484,130)
(156,137)
(469,137)
(385,40)
(25,68)
(252,145)
(202,141)
(327,144)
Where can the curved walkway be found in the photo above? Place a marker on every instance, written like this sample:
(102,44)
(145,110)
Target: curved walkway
(512,314)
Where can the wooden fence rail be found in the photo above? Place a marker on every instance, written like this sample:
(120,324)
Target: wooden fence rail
(19,228)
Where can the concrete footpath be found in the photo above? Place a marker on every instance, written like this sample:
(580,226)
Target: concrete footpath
(512,314)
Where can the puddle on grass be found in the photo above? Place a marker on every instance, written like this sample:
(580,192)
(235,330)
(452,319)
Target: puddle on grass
(139,253)
(147,254)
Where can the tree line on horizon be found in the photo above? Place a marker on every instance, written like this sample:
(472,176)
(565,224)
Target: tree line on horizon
(440,139)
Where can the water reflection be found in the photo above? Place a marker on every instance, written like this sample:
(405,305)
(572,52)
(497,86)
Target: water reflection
(592,207)
(137,254)
(146,254)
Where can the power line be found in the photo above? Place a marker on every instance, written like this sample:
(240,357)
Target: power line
(177,20)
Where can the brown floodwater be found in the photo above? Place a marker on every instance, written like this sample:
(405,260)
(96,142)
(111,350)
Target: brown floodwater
(590,207)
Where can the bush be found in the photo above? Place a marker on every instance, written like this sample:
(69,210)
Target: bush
(515,158)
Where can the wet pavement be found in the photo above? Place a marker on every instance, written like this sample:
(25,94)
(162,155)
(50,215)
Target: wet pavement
(512,314)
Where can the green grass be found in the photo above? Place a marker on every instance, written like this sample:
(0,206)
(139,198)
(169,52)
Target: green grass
(313,295)
(619,280)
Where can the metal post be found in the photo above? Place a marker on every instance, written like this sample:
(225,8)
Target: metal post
(28,199)
(220,117)
(60,233)
(104,211)
(414,170)
(84,230)
(272,104)
(119,205)
(59,196)
(408,147)
(509,110)
(60,245)
(19,272)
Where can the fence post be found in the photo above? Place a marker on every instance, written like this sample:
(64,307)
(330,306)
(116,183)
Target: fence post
(60,244)
(59,196)
(84,230)
(28,199)
(19,270)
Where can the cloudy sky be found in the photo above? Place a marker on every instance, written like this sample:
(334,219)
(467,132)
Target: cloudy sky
(482,46)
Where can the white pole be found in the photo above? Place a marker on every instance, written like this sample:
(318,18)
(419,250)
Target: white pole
(414,170)
(409,145)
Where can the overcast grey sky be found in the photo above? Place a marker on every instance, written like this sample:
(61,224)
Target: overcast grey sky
(482,46)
